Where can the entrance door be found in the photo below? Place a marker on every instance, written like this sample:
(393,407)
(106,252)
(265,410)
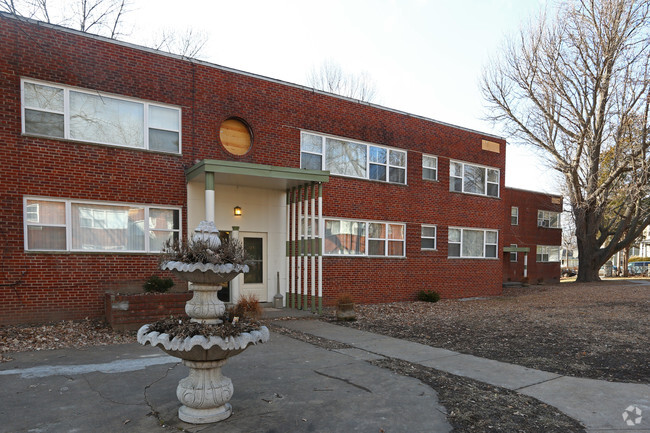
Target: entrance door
(254,282)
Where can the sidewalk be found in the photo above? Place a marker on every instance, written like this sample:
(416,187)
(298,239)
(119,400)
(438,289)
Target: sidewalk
(597,404)
(283,386)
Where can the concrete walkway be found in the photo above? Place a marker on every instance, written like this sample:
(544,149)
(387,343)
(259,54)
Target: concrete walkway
(284,386)
(597,404)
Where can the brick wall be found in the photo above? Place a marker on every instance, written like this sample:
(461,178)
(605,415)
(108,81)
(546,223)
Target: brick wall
(39,287)
(528,234)
(130,312)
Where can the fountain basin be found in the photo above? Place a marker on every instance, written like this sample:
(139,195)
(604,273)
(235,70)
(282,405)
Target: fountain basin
(200,348)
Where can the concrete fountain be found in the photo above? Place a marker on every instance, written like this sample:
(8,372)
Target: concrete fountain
(205,393)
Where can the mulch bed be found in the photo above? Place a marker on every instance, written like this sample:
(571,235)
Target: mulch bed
(591,330)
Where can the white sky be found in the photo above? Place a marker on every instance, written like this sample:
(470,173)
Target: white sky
(425,56)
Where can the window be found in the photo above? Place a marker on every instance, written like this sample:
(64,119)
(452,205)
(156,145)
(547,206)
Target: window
(57,111)
(65,225)
(473,179)
(361,238)
(548,253)
(514,216)
(429,167)
(548,219)
(428,238)
(472,243)
(513,255)
(350,158)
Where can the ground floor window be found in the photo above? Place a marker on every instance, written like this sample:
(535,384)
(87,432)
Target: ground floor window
(428,238)
(513,254)
(472,243)
(364,238)
(71,225)
(546,253)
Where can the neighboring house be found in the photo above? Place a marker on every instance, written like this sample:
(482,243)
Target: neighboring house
(109,149)
(533,239)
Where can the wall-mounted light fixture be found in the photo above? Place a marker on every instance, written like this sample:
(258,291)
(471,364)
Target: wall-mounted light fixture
(237,211)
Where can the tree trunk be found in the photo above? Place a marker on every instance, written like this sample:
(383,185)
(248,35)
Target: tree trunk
(589,255)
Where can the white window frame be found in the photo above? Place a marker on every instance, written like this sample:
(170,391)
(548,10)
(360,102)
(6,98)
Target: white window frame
(462,177)
(66,115)
(434,158)
(68,224)
(514,216)
(544,219)
(485,243)
(388,164)
(434,237)
(544,250)
(386,239)
(514,258)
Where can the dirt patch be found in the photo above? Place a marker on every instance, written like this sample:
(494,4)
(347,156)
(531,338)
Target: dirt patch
(591,330)
(59,335)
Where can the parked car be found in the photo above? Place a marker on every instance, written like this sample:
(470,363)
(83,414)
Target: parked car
(568,272)
(638,268)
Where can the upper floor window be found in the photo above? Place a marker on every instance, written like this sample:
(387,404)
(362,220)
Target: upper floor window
(429,167)
(70,225)
(547,218)
(56,111)
(546,253)
(473,179)
(514,216)
(364,238)
(472,243)
(350,158)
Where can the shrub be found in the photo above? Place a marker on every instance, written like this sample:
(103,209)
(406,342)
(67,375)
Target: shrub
(344,298)
(428,296)
(155,284)
(247,306)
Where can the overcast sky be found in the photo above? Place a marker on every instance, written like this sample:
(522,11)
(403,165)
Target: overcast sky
(425,56)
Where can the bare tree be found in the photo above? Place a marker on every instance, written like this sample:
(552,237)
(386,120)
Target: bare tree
(330,77)
(101,17)
(188,43)
(576,87)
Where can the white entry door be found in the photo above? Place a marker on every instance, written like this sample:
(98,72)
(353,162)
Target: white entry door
(255,281)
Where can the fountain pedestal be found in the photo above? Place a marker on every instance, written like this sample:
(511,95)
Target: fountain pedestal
(205,393)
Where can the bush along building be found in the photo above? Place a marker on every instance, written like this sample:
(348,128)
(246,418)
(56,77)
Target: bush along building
(109,149)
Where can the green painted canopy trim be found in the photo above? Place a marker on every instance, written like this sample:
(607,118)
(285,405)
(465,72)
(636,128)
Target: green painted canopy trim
(516,249)
(248,169)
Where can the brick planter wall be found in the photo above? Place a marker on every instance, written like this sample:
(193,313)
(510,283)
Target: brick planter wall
(131,311)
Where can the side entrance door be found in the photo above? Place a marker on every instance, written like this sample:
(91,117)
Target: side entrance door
(255,281)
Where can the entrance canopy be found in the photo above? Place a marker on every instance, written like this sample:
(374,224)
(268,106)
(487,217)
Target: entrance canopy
(254,175)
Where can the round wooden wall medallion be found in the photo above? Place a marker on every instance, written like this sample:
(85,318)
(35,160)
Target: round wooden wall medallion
(235,136)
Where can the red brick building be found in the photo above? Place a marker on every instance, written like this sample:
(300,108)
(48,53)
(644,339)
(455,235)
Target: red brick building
(535,232)
(109,149)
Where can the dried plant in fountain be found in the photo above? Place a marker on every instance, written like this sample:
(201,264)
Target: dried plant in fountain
(182,327)
(204,251)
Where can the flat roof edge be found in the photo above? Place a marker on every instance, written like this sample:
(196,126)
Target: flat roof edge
(237,71)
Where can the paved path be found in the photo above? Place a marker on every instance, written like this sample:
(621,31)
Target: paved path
(285,386)
(597,404)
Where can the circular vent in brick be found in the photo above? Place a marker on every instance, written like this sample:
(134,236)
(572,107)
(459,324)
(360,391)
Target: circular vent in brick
(235,136)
